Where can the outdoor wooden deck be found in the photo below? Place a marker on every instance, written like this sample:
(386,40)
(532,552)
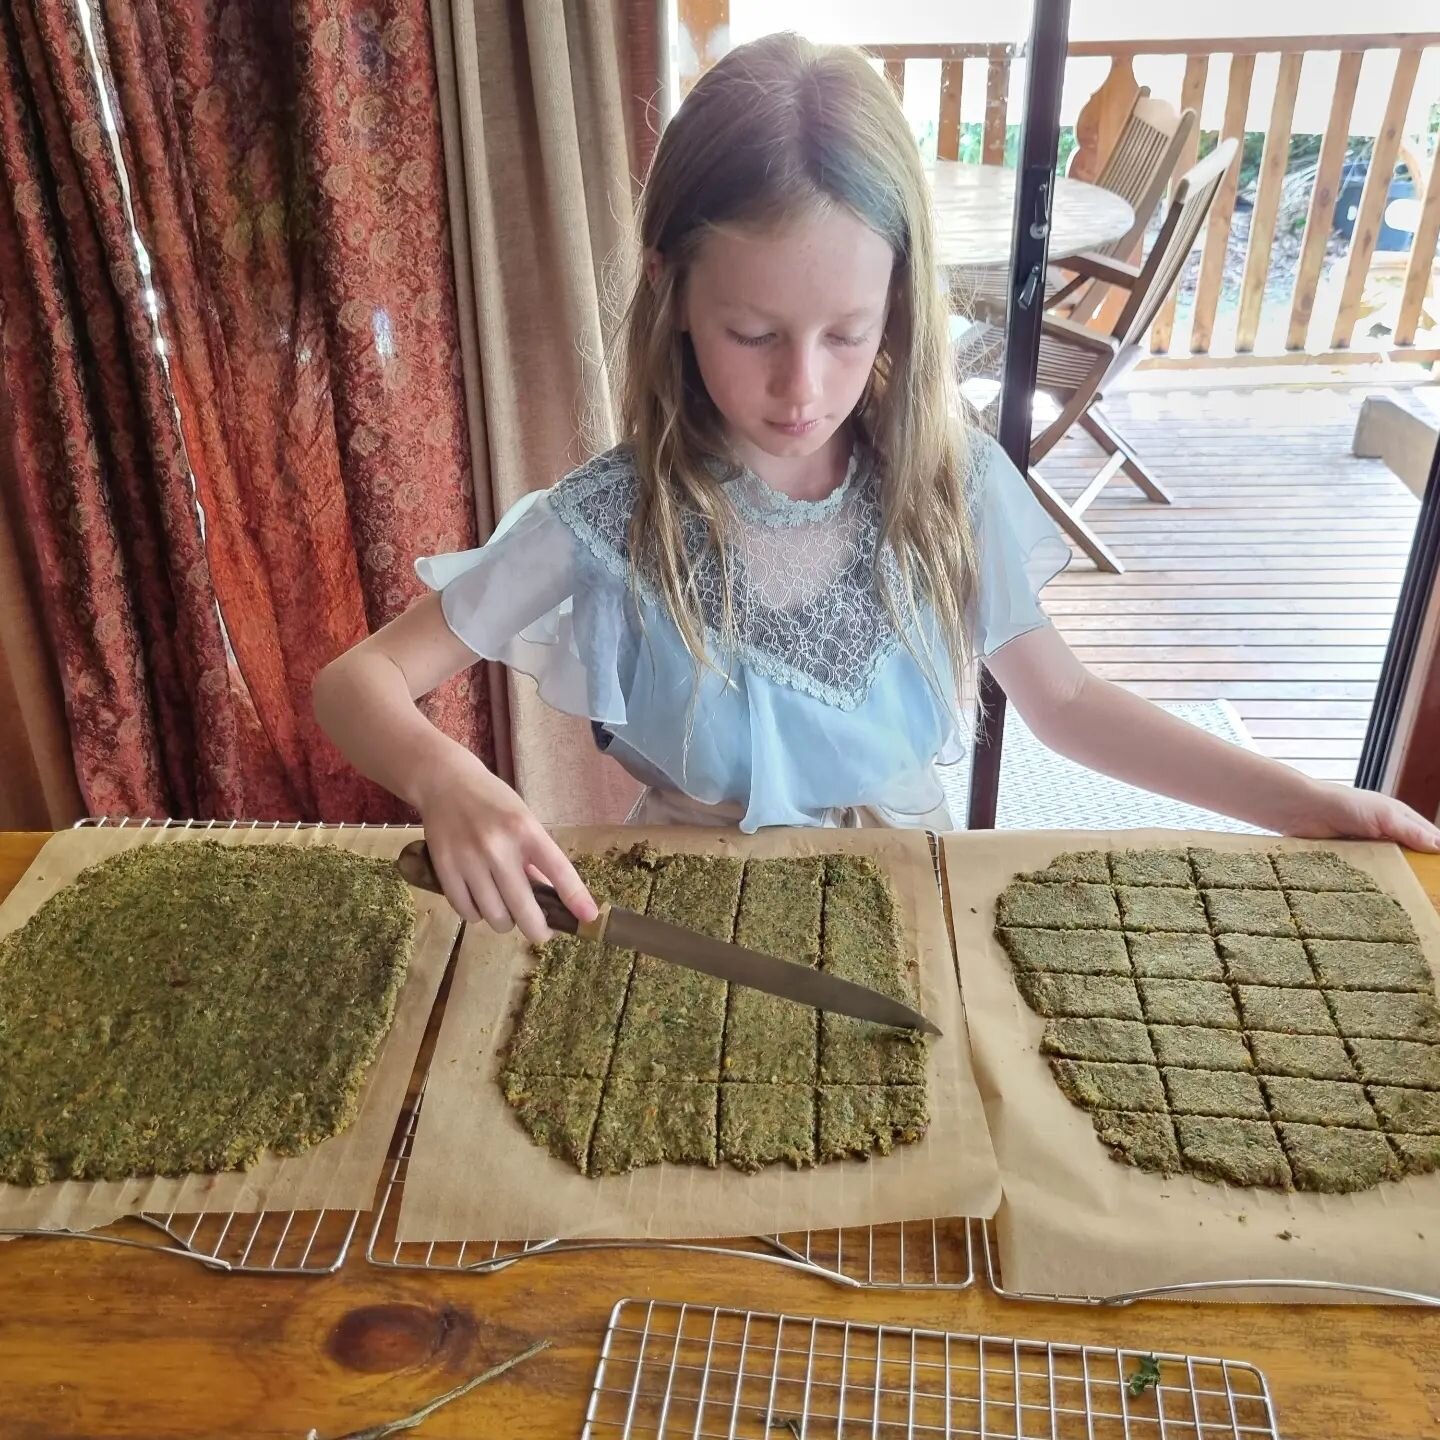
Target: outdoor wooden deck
(1270,582)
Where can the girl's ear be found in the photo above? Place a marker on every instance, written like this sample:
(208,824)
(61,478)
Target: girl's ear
(654,263)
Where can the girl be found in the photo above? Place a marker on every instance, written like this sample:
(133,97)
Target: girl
(767,598)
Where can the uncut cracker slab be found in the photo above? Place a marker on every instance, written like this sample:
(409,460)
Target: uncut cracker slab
(1076,1222)
(340,1174)
(476,1175)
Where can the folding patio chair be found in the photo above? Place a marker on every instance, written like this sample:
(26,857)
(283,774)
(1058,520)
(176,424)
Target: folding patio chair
(1078,365)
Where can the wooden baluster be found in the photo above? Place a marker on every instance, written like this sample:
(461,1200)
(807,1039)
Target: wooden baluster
(1273,164)
(895,74)
(707,22)
(1321,217)
(1374,196)
(1217,231)
(1098,125)
(1192,97)
(947,137)
(997,93)
(1422,255)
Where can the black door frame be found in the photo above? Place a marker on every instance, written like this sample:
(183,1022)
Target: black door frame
(1402,652)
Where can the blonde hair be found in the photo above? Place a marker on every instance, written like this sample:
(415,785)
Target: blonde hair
(778,128)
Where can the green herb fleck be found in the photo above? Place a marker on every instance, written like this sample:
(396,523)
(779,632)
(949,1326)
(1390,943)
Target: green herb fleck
(1146,1376)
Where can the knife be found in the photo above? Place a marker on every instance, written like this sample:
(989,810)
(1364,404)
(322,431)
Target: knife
(627,930)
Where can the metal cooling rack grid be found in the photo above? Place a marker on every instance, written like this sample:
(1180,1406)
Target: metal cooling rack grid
(288,1242)
(918,1255)
(989,1248)
(670,1370)
(914,1255)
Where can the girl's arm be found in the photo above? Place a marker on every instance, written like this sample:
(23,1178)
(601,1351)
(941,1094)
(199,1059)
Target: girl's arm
(483,839)
(1109,729)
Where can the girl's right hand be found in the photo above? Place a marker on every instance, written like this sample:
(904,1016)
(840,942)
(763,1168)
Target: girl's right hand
(487,848)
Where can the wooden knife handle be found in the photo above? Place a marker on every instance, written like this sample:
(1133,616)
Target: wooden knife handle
(552,907)
(415,866)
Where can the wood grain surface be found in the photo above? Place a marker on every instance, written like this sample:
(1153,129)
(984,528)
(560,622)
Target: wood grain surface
(99,1341)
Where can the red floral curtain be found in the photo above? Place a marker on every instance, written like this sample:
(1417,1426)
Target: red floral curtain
(282,166)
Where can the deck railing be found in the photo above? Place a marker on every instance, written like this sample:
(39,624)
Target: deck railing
(1229,304)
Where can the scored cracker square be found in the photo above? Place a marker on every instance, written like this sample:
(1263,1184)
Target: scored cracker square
(1174,957)
(1265,960)
(1327,915)
(1248,912)
(1319,870)
(1198,1047)
(1367,965)
(1398,1062)
(1215,1092)
(1333,1160)
(1081,952)
(1189,1002)
(1161,907)
(1319,1102)
(1233,870)
(1306,1057)
(1097,1038)
(1385,1015)
(1285,1010)
(1065,905)
(1151,867)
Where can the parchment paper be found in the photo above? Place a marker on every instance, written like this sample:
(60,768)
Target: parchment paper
(342,1173)
(475,1174)
(1076,1222)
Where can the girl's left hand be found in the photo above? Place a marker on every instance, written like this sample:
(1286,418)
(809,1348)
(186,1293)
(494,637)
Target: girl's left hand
(1345,813)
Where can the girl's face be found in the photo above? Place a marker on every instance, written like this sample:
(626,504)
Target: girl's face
(786,325)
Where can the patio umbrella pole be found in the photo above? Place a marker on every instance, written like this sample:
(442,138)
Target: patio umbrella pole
(1024,311)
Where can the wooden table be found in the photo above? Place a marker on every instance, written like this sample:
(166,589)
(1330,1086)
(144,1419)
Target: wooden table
(975,209)
(101,1341)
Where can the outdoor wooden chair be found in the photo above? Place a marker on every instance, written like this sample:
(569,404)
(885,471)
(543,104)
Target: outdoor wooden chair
(1138,168)
(1078,365)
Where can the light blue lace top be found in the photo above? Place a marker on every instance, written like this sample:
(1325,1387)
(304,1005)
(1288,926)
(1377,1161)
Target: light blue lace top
(820,704)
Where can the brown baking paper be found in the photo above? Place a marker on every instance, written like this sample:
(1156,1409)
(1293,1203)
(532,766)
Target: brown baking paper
(340,1174)
(1076,1222)
(475,1174)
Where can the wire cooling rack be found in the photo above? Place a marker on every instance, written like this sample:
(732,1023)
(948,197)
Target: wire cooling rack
(913,1255)
(288,1242)
(989,1250)
(671,1370)
(917,1255)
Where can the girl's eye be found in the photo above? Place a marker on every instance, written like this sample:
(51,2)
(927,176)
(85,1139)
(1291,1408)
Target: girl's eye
(848,339)
(750,339)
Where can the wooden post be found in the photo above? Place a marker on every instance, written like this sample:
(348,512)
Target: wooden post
(895,74)
(1192,97)
(705,24)
(1422,256)
(997,91)
(1267,201)
(1098,125)
(947,136)
(1217,231)
(1322,199)
(1374,196)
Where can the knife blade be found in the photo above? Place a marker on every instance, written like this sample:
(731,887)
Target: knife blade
(627,930)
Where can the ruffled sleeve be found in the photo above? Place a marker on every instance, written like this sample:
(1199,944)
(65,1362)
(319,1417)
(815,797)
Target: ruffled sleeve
(539,602)
(1021,550)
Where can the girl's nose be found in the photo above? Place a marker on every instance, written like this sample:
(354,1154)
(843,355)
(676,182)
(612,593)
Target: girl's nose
(796,378)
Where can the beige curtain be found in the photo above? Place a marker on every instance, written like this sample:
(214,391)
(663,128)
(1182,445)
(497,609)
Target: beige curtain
(537,130)
(38,790)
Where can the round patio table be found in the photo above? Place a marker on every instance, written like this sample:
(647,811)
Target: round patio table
(975,207)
